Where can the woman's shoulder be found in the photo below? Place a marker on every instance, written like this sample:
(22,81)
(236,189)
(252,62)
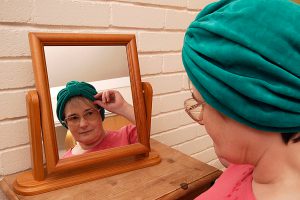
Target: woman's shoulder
(128,128)
(68,154)
(124,129)
(76,150)
(242,170)
(126,134)
(234,183)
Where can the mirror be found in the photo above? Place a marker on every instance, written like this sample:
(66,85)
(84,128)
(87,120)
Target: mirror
(104,67)
(58,58)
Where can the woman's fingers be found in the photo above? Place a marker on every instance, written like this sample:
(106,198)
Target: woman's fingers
(108,96)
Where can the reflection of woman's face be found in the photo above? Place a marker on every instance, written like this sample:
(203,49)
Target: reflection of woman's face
(88,132)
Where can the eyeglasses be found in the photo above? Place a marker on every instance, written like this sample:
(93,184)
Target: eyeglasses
(74,120)
(194,109)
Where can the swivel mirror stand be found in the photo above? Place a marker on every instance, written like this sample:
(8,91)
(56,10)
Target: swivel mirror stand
(38,180)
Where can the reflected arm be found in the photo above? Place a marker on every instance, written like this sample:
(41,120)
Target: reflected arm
(128,112)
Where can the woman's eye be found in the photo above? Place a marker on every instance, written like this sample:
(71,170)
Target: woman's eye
(90,113)
(73,118)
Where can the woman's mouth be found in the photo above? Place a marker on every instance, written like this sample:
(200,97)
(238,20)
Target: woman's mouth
(85,132)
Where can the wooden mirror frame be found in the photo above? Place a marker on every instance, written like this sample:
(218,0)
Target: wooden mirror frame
(60,173)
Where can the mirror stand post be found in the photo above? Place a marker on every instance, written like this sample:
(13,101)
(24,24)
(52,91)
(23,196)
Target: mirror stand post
(35,136)
(39,181)
(148,95)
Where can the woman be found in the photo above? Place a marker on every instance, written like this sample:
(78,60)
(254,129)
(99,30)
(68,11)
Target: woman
(81,110)
(243,58)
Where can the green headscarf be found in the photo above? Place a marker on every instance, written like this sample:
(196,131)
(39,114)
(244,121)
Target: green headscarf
(243,56)
(72,89)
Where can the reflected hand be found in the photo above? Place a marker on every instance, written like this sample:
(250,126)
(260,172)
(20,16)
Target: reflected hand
(113,101)
(110,100)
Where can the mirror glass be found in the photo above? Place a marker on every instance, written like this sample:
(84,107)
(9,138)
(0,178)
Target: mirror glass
(105,67)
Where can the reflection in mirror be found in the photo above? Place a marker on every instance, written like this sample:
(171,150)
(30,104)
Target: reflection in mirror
(98,66)
(58,173)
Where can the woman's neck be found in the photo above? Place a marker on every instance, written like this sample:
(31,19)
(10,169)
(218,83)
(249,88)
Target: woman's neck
(277,171)
(93,144)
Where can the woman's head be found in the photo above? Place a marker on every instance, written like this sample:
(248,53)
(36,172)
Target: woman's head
(245,65)
(74,89)
(83,120)
(77,112)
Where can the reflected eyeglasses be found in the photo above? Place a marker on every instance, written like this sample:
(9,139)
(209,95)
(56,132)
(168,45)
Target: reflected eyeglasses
(89,115)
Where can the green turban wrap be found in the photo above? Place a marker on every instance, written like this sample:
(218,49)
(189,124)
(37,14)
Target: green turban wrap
(72,89)
(243,56)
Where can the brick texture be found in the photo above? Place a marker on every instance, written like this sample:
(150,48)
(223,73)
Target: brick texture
(151,64)
(14,42)
(12,104)
(71,13)
(173,63)
(179,19)
(15,74)
(15,159)
(137,16)
(176,3)
(165,83)
(16,129)
(153,41)
(12,13)
(198,4)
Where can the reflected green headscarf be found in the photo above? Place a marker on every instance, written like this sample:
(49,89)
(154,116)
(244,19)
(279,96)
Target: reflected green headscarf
(73,89)
(243,56)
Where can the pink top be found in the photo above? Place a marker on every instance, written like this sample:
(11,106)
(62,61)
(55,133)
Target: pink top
(125,136)
(234,184)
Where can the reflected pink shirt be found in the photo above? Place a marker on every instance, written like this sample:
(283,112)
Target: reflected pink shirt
(234,184)
(125,136)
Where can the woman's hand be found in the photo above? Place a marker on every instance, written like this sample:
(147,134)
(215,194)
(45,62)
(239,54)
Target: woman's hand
(110,100)
(113,101)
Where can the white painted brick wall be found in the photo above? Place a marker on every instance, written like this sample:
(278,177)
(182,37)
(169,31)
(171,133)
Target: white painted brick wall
(170,120)
(199,144)
(14,42)
(173,63)
(159,26)
(150,64)
(173,101)
(74,13)
(16,10)
(207,155)
(176,3)
(15,159)
(165,83)
(12,104)
(15,74)
(181,135)
(164,41)
(137,16)
(198,4)
(179,19)
(16,129)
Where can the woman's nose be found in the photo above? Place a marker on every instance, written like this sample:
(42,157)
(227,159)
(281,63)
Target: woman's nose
(83,122)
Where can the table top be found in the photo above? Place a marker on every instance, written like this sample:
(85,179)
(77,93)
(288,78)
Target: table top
(178,176)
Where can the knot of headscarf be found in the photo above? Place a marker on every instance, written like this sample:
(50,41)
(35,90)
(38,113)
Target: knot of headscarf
(243,56)
(72,89)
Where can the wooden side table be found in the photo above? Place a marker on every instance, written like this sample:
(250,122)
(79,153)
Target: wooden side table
(177,177)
